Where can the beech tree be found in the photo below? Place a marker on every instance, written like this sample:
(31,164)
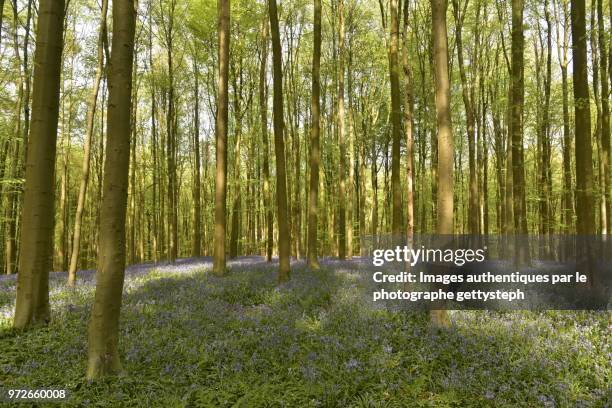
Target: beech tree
(263,111)
(103,340)
(91,116)
(516,119)
(32,304)
(279,147)
(408,125)
(396,116)
(445,134)
(341,136)
(585,223)
(315,155)
(605,118)
(221,126)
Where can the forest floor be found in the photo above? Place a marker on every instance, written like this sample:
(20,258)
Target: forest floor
(189,338)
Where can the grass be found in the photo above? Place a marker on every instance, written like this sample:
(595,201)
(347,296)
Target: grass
(189,339)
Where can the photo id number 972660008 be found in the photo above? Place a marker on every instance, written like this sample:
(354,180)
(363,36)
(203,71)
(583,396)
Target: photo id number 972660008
(33,395)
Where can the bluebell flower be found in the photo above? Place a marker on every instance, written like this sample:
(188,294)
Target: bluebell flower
(352,364)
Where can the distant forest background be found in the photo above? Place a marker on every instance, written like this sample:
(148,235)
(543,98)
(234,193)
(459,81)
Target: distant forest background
(528,123)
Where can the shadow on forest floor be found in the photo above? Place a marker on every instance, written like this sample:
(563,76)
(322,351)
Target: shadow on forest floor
(189,338)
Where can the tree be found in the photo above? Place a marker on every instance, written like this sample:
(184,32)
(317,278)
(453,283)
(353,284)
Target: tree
(284,270)
(32,304)
(91,116)
(396,118)
(605,116)
(237,204)
(156,236)
(103,341)
(468,101)
(585,223)
(341,137)
(315,155)
(263,112)
(516,118)
(445,134)
(16,156)
(197,177)
(221,125)
(408,128)
(168,21)
(544,147)
(567,202)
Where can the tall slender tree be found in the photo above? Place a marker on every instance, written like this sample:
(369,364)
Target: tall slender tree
(284,246)
(315,154)
(156,241)
(221,125)
(168,27)
(197,175)
(567,202)
(263,112)
(585,223)
(516,118)
(32,304)
(469,104)
(408,126)
(103,351)
(546,175)
(396,118)
(340,116)
(605,114)
(445,216)
(91,117)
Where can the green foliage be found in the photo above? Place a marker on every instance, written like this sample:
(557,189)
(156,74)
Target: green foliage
(190,339)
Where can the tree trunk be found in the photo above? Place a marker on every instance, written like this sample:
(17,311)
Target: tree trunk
(597,128)
(605,115)
(237,204)
(32,305)
(341,137)
(396,118)
(445,135)
(132,183)
(468,102)
(499,149)
(103,353)
(263,112)
(284,246)
(517,101)
(568,200)
(584,169)
(154,153)
(315,154)
(545,131)
(91,115)
(409,129)
(567,206)
(22,126)
(352,199)
(197,208)
(171,143)
(219,267)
